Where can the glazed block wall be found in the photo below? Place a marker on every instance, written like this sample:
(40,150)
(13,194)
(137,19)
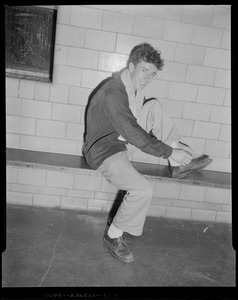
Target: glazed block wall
(87,190)
(94,40)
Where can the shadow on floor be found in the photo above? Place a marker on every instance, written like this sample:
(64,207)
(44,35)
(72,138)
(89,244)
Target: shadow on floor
(55,248)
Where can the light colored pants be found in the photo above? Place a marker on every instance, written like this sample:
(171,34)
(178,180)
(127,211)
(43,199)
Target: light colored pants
(118,170)
(131,214)
(154,117)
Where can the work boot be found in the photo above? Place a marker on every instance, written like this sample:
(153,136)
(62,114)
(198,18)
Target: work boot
(196,165)
(118,248)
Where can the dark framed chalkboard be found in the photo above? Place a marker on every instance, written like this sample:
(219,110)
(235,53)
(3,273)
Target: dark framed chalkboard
(29,42)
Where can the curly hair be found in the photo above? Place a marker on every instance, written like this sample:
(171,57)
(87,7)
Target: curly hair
(145,52)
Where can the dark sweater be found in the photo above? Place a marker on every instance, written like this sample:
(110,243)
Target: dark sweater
(107,116)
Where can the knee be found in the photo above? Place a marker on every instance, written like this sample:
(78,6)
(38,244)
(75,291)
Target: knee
(153,103)
(148,189)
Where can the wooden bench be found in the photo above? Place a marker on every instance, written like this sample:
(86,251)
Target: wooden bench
(203,187)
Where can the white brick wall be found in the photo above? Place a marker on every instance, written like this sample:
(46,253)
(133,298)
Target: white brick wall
(63,146)
(33,177)
(223,79)
(67,75)
(218,58)
(90,183)
(42,91)
(160,88)
(83,58)
(221,18)
(141,10)
(59,93)
(61,180)
(221,115)
(227,101)
(167,48)
(117,22)
(207,36)
(210,95)
(12,87)
(111,62)
(148,27)
(226,40)
(34,143)
(190,54)
(88,190)
(61,55)
(200,75)
(94,40)
(225,133)
(167,12)
(199,14)
(13,106)
(36,109)
(73,203)
(183,91)
(100,40)
(20,125)
(46,200)
(19,198)
(218,148)
(178,32)
(166,190)
(11,174)
(12,140)
(78,95)
(203,215)
(67,113)
(50,128)
(86,17)
(206,130)
(126,42)
(70,35)
(26,89)
(174,72)
(196,111)
(189,192)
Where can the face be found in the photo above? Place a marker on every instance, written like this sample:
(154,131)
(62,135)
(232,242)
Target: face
(142,74)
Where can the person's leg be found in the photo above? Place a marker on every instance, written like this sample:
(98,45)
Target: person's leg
(153,118)
(131,214)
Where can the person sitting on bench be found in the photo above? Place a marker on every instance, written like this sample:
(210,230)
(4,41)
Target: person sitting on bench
(119,120)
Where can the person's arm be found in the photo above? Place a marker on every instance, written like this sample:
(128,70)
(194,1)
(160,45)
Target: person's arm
(118,112)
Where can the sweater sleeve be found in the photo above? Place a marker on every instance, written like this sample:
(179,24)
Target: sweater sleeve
(116,108)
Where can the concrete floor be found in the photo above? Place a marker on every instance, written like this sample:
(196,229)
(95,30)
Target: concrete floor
(56,248)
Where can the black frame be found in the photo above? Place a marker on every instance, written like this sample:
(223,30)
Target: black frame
(30,42)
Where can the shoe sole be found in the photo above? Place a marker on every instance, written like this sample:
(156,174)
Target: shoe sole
(113,254)
(182,175)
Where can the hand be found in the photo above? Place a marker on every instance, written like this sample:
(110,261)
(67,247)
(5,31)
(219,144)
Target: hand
(181,156)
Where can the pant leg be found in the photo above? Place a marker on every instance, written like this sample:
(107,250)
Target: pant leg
(131,214)
(154,117)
